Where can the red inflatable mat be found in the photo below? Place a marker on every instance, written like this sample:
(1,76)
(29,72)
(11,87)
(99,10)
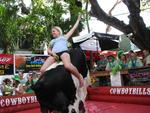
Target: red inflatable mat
(129,94)
(105,107)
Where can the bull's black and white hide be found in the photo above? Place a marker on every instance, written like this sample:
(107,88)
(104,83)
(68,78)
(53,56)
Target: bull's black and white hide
(58,90)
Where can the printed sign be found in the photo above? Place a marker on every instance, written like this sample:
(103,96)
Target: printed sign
(139,72)
(6,64)
(130,91)
(17,100)
(6,59)
(28,63)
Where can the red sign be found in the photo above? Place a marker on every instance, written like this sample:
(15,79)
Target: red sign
(17,100)
(6,64)
(13,104)
(124,94)
(124,90)
(6,59)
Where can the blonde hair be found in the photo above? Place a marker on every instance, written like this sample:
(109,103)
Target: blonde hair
(59,29)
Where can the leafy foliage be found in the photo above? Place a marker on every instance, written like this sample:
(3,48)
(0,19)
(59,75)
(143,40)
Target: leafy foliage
(33,25)
(9,25)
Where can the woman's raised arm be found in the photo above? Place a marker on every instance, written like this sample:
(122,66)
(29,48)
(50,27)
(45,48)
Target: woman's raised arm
(68,35)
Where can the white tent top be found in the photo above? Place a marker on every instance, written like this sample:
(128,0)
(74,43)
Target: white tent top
(89,42)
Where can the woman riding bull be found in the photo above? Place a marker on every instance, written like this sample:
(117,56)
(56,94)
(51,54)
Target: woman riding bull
(59,48)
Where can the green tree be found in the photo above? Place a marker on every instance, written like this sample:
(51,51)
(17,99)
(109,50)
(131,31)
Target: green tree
(33,25)
(9,26)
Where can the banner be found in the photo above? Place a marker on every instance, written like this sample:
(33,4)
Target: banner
(136,91)
(29,63)
(13,104)
(143,91)
(6,64)
(139,72)
(17,100)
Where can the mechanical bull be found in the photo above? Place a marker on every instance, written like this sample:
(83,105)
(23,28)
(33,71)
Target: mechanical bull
(58,90)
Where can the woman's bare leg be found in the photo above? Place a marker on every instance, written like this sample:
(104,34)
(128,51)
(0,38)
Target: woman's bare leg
(69,66)
(50,60)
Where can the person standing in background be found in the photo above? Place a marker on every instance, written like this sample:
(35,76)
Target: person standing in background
(112,62)
(101,63)
(122,59)
(22,77)
(134,61)
(146,60)
(29,83)
(18,87)
(7,88)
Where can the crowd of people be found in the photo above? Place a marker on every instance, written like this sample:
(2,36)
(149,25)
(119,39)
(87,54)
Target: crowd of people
(123,61)
(19,84)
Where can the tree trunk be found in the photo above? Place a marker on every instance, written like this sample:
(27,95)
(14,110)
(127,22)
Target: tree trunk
(140,34)
(5,48)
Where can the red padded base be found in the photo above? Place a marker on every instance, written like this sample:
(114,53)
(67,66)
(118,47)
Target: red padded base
(105,107)
(105,94)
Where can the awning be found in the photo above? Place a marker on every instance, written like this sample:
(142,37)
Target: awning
(97,41)
(91,44)
(107,41)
